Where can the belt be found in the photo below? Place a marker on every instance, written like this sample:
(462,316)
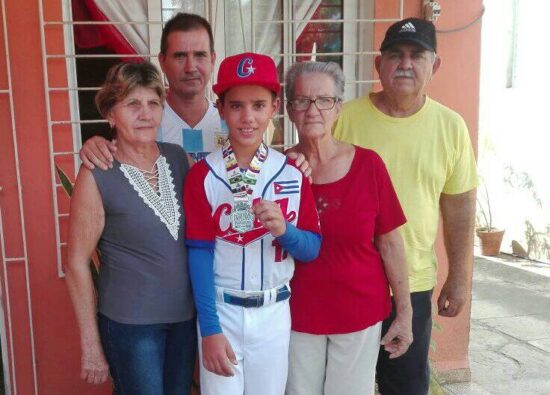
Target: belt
(263,298)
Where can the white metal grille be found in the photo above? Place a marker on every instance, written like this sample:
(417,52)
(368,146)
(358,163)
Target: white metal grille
(356,19)
(10,379)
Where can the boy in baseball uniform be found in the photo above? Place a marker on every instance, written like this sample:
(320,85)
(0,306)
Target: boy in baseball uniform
(249,212)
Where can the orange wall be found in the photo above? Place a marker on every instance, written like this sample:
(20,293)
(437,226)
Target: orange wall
(14,274)
(457,86)
(55,335)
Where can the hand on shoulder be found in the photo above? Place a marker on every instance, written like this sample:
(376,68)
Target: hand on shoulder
(300,161)
(98,151)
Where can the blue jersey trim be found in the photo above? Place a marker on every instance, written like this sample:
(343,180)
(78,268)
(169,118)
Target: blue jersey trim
(217,176)
(273,178)
(242,269)
(262,264)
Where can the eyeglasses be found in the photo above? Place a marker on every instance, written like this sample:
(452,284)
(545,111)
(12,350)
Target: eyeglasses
(302,103)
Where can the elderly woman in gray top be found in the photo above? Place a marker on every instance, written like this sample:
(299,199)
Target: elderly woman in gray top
(143,329)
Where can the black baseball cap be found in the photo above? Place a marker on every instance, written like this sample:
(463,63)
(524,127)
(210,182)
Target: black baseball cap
(412,30)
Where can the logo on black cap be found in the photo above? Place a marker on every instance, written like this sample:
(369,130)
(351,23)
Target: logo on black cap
(407,27)
(411,30)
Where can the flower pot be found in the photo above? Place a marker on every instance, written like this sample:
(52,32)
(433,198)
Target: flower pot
(490,241)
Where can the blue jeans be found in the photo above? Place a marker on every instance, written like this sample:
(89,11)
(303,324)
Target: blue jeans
(157,359)
(410,373)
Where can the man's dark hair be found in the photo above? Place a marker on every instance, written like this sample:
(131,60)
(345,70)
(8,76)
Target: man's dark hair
(183,22)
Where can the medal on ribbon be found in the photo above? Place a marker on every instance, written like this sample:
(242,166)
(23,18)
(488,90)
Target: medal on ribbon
(242,218)
(242,185)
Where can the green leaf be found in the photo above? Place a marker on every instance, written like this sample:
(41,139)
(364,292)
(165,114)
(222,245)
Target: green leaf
(435,386)
(65,182)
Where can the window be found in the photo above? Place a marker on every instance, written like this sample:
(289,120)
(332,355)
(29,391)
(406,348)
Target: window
(288,30)
(326,37)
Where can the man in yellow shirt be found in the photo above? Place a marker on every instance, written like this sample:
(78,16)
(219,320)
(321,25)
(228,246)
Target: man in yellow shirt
(428,153)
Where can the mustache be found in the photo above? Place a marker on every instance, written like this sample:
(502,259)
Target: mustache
(404,73)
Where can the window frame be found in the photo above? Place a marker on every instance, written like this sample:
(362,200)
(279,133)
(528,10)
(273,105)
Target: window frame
(358,19)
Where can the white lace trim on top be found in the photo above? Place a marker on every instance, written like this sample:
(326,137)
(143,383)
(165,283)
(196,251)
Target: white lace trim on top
(164,204)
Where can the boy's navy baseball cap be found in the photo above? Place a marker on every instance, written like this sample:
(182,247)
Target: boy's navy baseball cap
(412,30)
(247,69)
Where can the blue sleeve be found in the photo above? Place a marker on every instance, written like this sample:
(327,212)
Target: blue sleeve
(301,244)
(201,271)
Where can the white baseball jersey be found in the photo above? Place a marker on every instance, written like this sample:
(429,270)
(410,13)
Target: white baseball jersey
(207,135)
(253,260)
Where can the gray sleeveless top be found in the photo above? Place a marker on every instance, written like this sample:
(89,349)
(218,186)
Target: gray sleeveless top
(143,277)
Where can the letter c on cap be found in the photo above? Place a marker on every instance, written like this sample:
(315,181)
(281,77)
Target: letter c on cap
(245,68)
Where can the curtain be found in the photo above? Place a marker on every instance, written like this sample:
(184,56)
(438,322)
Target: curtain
(121,11)
(268,36)
(134,38)
(121,39)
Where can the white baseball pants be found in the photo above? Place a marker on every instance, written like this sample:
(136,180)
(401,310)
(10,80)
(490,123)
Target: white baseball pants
(259,337)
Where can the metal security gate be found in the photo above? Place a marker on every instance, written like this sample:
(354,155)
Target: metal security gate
(249,17)
(15,256)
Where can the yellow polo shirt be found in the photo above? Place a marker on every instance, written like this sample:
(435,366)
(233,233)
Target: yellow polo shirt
(427,153)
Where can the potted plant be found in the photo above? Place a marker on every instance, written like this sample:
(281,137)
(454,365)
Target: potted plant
(490,238)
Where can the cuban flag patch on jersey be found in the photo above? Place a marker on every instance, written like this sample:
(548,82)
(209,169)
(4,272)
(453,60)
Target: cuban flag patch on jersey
(286,187)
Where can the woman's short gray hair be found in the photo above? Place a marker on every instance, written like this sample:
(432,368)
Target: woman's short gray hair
(329,68)
(122,78)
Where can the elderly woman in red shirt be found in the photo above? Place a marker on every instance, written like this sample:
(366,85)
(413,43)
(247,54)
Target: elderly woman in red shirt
(340,300)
